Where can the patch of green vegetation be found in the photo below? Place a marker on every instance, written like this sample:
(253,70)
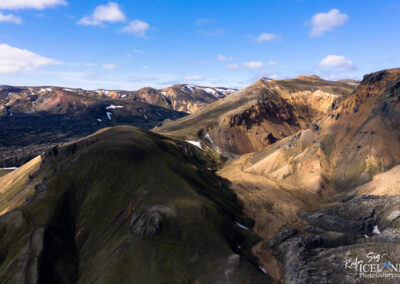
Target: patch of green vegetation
(372,170)
(4,172)
(327,144)
(268,205)
(351,177)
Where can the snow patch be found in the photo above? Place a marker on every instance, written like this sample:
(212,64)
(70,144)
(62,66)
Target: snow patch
(266,80)
(195,143)
(376,230)
(188,87)
(262,269)
(210,91)
(113,107)
(43,90)
(108,115)
(10,168)
(242,226)
(226,91)
(102,92)
(208,137)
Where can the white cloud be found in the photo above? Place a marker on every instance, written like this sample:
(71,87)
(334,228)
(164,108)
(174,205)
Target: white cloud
(272,63)
(15,60)
(336,63)
(193,78)
(110,13)
(324,22)
(266,37)
(246,65)
(224,58)
(138,51)
(109,66)
(205,21)
(233,66)
(30,4)
(253,64)
(11,18)
(137,28)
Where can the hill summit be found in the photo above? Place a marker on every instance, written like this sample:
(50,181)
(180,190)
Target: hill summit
(309,77)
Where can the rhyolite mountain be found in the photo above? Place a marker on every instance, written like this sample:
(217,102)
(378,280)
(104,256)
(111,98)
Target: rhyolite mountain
(191,98)
(332,148)
(57,100)
(182,97)
(311,167)
(328,170)
(261,114)
(33,119)
(123,205)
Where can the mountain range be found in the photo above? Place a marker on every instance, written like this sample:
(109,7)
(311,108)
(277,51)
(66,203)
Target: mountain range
(282,181)
(33,119)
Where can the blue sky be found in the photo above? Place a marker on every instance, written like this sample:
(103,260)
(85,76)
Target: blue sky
(131,44)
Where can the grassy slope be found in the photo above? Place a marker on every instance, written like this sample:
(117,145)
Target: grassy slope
(128,206)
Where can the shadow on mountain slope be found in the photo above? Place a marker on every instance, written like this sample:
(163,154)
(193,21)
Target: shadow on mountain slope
(125,206)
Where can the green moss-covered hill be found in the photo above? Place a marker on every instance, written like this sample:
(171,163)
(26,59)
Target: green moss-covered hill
(127,206)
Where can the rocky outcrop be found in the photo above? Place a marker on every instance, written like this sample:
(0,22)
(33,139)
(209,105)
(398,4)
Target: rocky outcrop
(364,228)
(149,223)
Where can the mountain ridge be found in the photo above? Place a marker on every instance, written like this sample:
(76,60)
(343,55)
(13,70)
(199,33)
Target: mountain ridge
(266,111)
(191,221)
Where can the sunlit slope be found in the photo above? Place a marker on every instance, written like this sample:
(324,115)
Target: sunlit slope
(261,114)
(354,150)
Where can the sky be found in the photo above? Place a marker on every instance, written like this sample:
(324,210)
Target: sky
(124,44)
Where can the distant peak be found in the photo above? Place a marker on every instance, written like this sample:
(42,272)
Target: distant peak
(309,77)
(147,88)
(265,79)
